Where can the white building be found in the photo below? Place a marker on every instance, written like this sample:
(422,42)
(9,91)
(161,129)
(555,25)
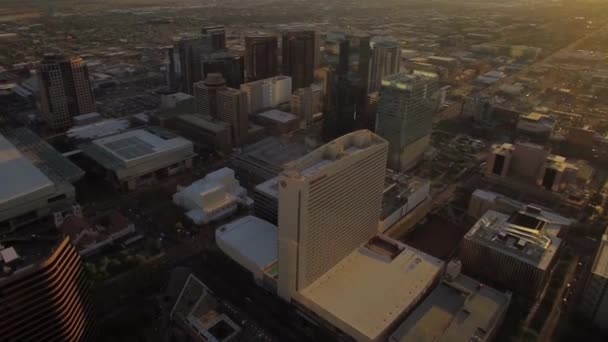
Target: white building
(267,93)
(594,303)
(458,309)
(329,205)
(137,157)
(35,179)
(213,197)
(251,242)
(373,289)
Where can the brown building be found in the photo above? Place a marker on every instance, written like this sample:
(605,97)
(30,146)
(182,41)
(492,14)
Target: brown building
(260,57)
(299,54)
(46,300)
(232,108)
(65,90)
(205,94)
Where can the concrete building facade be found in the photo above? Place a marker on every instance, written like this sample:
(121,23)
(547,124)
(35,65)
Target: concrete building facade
(330,203)
(386,61)
(65,90)
(405,117)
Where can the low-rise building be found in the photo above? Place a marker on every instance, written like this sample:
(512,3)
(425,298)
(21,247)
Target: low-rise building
(36,180)
(594,302)
(205,132)
(89,236)
(278,121)
(515,251)
(212,198)
(459,309)
(137,157)
(251,242)
(402,195)
(202,315)
(372,290)
(531,165)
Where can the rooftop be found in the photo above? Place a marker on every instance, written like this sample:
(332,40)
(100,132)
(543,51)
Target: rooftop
(457,310)
(250,239)
(128,149)
(270,187)
(347,145)
(205,123)
(278,115)
(32,165)
(24,177)
(529,235)
(406,81)
(398,187)
(386,285)
(99,129)
(600,265)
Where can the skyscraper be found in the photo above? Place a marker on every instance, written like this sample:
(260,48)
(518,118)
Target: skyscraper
(205,94)
(386,60)
(185,67)
(65,90)
(45,294)
(299,57)
(329,205)
(261,53)
(217,35)
(267,93)
(405,117)
(232,108)
(345,96)
(227,63)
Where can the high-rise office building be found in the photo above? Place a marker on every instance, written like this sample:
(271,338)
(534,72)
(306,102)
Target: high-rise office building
(261,57)
(227,63)
(301,104)
(299,54)
(205,94)
(217,35)
(65,90)
(386,60)
(232,108)
(330,204)
(267,93)
(594,302)
(185,67)
(45,294)
(405,117)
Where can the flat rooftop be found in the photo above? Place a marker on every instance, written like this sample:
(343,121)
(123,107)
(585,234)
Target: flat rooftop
(205,123)
(345,146)
(398,187)
(99,129)
(457,310)
(252,239)
(600,265)
(19,175)
(129,149)
(32,166)
(278,116)
(274,151)
(385,285)
(138,143)
(529,235)
(269,187)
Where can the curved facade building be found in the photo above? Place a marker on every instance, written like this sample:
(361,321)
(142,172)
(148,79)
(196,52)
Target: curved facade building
(47,300)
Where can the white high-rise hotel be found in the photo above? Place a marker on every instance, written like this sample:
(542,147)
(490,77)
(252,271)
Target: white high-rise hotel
(330,203)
